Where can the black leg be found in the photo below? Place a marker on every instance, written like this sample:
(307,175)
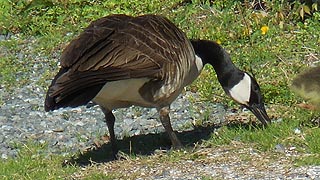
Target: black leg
(110,119)
(165,120)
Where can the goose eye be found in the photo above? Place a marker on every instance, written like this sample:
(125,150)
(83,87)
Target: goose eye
(255,88)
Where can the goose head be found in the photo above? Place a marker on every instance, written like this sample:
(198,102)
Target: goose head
(246,91)
(239,85)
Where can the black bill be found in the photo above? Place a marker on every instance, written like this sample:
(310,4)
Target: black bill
(260,112)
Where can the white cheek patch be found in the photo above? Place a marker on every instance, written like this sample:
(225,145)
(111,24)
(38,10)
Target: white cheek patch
(199,63)
(241,91)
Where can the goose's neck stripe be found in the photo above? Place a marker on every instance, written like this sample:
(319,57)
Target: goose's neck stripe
(241,92)
(199,63)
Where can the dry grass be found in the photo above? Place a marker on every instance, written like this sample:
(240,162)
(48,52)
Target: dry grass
(234,160)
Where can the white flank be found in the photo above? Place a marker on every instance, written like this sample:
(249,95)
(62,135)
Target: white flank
(241,91)
(199,63)
(123,93)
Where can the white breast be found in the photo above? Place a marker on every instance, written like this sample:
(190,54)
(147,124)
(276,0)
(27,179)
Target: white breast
(241,91)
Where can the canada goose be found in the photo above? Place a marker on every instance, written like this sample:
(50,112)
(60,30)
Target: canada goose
(119,61)
(307,85)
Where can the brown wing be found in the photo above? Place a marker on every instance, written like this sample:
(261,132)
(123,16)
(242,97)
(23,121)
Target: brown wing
(119,47)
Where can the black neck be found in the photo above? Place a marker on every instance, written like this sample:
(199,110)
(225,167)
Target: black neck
(212,53)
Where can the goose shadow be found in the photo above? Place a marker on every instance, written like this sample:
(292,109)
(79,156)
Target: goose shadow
(147,144)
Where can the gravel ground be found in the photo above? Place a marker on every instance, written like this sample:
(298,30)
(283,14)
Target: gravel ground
(66,131)
(22,118)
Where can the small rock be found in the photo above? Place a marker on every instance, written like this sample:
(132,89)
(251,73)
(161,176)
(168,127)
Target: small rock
(297,131)
(4,156)
(280,148)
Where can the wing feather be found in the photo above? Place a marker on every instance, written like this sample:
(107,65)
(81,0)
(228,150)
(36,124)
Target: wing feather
(120,47)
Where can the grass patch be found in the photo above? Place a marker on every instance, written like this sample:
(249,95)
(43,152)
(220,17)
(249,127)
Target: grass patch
(264,139)
(32,164)
(308,160)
